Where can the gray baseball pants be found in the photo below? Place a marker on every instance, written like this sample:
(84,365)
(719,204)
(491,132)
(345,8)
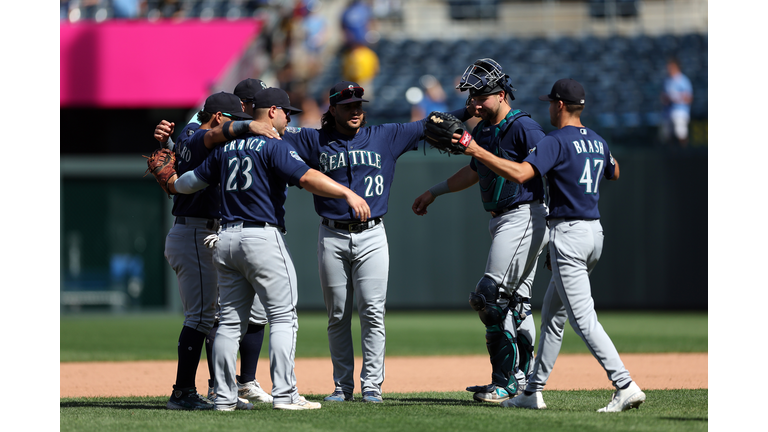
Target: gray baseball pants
(255,263)
(355,265)
(575,248)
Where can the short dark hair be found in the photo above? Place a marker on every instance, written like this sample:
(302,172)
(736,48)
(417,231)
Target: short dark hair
(574,108)
(204,117)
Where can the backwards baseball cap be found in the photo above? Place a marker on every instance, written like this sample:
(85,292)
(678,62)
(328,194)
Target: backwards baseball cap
(272,96)
(247,88)
(226,103)
(568,91)
(346,92)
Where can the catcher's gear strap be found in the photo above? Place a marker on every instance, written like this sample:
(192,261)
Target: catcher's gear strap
(495,191)
(503,351)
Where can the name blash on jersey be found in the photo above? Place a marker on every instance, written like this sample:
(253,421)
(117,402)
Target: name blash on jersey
(575,160)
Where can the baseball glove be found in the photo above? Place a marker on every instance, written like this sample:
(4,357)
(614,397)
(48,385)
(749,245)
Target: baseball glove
(439,130)
(162,164)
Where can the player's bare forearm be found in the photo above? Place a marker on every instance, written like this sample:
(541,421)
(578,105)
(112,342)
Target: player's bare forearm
(319,184)
(518,172)
(463,179)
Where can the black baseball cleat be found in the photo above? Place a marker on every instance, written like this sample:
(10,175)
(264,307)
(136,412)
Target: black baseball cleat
(187,399)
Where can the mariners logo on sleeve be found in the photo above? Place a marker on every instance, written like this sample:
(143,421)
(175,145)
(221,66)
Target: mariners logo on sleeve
(296,156)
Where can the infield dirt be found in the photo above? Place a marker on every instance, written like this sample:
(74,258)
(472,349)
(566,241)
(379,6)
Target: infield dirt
(403,374)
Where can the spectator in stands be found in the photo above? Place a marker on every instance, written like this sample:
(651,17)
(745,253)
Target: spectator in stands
(126,9)
(360,64)
(434,98)
(316,35)
(355,23)
(676,97)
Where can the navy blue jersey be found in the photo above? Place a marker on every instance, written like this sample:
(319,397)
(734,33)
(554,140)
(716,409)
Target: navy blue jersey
(575,160)
(364,163)
(515,144)
(190,153)
(253,175)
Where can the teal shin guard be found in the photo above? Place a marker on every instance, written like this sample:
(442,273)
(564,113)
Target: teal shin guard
(525,348)
(503,351)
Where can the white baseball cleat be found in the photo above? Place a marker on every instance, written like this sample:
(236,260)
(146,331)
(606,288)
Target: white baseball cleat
(302,404)
(242,404)
(534,401)
(630,397)
(253,392)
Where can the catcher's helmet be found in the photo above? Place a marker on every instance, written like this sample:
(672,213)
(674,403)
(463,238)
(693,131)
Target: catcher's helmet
(484,77)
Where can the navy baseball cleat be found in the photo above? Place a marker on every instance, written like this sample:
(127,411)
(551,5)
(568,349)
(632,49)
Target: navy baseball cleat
(187,399)
(339,396)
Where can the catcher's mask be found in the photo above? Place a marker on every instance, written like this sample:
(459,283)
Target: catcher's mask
(484,77)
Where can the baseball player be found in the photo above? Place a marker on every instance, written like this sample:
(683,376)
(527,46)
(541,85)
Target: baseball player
(197,216)
(517,226)
(250,254)
(250,348)
(575,159)
(353,257)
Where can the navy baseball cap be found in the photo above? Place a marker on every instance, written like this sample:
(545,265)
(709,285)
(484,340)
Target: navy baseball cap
(568,91)
(273,96)
(226,103)
(346,92)
(247,88)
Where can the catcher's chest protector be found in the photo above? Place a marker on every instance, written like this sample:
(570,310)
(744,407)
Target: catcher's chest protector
(495,191)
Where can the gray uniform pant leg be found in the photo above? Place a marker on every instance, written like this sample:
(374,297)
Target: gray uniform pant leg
(255,264)
(518,238)
(355,265)
(575,249)
(193,263)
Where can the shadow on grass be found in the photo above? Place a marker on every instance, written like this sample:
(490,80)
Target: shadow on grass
(431,401)
(686,419)
(146,405)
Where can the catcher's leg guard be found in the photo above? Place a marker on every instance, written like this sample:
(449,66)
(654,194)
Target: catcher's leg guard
(483,300)
(525,348)
(503,351)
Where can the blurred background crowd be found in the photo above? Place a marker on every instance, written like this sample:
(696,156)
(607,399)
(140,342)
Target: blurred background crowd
(619,50)
(643,63)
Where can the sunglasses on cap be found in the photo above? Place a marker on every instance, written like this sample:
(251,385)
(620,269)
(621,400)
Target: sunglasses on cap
(348,93)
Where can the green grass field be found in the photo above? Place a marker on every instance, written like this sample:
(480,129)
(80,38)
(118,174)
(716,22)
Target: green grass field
(153,336)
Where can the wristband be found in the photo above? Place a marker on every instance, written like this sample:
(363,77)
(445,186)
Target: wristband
(225,131)
(240,127)
(440,189)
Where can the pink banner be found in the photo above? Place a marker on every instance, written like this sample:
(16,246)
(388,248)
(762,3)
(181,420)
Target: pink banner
(139,64)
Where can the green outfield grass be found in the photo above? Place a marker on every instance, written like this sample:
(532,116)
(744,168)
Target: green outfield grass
(413,333)
(154,336)
(668,410)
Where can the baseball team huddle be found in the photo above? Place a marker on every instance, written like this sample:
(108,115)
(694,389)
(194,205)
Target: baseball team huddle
(236,275)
